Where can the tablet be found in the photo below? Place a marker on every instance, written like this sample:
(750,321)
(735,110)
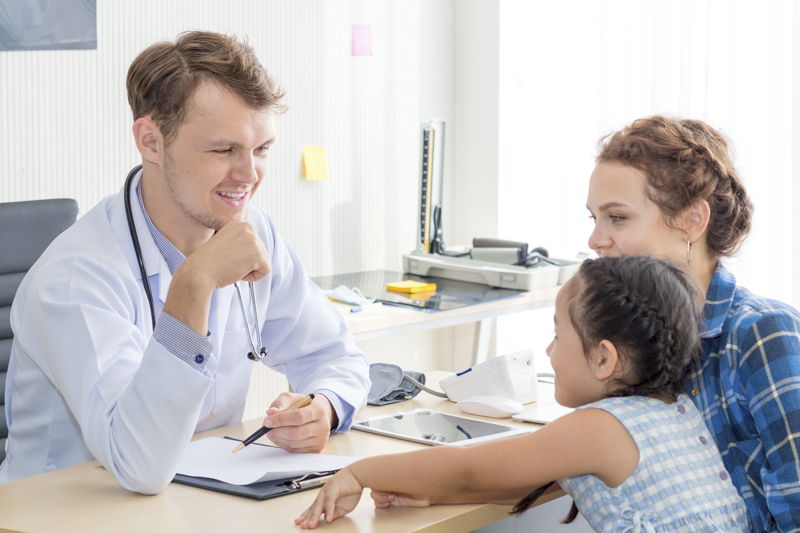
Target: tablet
(432,427)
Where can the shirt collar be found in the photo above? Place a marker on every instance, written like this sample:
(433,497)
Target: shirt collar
(171,255)
(719,299)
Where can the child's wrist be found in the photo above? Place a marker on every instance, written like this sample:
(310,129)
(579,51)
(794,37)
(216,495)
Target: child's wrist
(349,469)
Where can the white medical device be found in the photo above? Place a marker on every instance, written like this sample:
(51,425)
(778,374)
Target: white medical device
(512,376)
(492,406)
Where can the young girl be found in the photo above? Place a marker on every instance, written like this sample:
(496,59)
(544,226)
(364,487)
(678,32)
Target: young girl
(635,454)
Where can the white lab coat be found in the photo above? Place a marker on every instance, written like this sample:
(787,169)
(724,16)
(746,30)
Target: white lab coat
(87,379)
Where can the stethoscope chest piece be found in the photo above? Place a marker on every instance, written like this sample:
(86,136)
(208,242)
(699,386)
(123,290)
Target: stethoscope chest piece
(257,350)
(262,353)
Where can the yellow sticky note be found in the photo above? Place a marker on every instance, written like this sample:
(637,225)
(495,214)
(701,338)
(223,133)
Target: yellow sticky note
(409,285)
(315,163)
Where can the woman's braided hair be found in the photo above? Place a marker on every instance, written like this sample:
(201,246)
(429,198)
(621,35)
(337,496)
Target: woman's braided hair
(685,161)
(647,308)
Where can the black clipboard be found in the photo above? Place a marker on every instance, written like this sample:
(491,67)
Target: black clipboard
(262,490)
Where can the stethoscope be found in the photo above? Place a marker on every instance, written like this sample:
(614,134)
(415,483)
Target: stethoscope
(257,350)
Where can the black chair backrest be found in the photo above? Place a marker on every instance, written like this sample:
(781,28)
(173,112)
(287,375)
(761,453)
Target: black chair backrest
(26,229)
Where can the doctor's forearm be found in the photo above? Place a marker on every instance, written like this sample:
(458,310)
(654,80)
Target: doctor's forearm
(189,299)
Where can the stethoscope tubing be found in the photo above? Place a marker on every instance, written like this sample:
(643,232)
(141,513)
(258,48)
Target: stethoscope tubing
(135,239)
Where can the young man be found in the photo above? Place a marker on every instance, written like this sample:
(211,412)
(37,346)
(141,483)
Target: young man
(93,374)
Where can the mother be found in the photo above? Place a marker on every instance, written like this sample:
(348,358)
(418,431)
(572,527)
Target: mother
(667,187)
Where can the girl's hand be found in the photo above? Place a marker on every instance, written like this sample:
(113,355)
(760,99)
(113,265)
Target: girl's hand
(399,499)
(336,498)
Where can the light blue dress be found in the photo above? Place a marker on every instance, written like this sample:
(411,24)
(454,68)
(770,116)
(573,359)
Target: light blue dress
(680,483)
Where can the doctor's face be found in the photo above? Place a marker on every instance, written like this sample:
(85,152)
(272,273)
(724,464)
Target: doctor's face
(217,159)
(626,220)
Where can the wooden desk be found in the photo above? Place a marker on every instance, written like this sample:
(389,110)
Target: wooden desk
(86,498)
(388,320)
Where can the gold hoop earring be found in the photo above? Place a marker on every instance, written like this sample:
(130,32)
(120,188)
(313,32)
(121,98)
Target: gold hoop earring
(689,252)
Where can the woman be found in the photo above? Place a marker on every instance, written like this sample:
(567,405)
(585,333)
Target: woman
(667,187)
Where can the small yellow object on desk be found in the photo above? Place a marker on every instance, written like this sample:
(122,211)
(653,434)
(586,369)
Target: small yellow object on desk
(409,285)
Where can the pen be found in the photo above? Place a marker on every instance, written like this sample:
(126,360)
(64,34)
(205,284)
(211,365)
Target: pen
(309,483)
(260,432)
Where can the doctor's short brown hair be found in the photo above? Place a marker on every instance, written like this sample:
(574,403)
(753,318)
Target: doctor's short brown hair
(163,77)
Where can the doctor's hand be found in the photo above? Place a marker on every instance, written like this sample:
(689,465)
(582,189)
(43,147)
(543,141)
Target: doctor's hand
(234,253)
(336,498)
(302,430)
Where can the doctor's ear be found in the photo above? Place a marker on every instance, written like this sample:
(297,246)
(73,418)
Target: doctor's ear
(149,140)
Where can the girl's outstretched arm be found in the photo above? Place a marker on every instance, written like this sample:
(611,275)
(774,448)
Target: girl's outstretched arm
(398,499)
(589,441)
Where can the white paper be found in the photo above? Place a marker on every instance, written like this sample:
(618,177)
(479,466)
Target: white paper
(212,458)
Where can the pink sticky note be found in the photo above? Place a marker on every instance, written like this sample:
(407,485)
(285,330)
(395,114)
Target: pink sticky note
(361,43)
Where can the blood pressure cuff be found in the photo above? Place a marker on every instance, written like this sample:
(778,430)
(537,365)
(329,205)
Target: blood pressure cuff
(390,386)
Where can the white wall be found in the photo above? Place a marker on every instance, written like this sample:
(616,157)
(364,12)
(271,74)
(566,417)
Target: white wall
(473,201)
(796,159)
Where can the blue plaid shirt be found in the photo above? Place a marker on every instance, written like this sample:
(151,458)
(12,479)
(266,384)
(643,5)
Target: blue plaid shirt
(747,387)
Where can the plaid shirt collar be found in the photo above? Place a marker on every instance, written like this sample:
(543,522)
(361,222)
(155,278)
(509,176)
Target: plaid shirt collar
(719,299)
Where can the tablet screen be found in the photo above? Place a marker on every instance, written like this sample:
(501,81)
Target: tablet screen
(433,427)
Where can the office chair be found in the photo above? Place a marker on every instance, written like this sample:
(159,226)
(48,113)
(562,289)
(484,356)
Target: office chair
(26,229)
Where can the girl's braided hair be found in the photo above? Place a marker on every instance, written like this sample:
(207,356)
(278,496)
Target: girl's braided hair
(646,308)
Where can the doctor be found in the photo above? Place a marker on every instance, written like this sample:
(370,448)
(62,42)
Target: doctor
(92,374)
